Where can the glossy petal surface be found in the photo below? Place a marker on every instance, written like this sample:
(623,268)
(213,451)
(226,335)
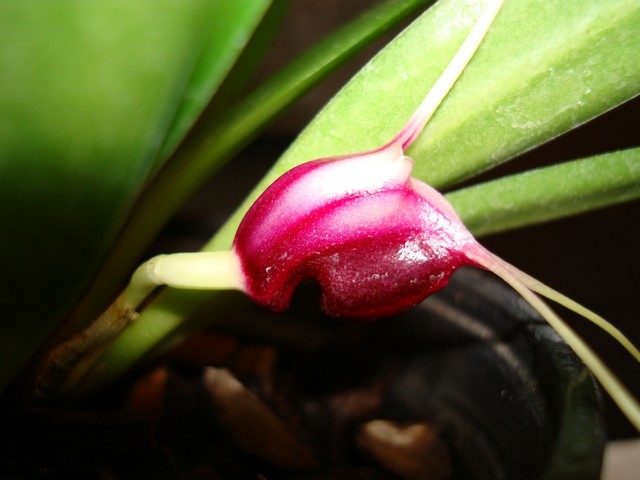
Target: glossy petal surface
(377,243)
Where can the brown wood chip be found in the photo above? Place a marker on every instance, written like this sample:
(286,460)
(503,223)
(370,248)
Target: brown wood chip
(413,451)
(252,426)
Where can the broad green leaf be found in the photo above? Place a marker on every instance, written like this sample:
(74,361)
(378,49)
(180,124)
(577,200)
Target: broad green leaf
(88,92)
(167,190)
(238,81)
(226,39)
(549,193)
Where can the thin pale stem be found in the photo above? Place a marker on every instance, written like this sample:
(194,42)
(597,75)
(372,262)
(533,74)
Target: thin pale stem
(584,312)
(199,270)
(618,392)
(449,77)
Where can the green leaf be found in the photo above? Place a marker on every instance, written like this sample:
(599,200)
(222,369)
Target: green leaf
(226,39)
(238,81)
(88,92)
(549,193)
(172,184)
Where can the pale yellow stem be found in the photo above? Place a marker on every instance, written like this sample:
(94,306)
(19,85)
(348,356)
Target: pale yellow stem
(199,270)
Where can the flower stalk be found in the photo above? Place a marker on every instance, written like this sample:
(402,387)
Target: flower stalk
(66,364)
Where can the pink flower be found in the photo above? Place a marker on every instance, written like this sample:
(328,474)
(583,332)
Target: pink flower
(376,240)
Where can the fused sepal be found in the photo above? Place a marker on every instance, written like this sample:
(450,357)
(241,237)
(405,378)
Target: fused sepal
(376,240)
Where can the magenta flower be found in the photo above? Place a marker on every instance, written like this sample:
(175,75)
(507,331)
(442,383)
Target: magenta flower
(376,240)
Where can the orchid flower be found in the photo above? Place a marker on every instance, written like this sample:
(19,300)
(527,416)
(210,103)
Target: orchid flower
(376,240)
